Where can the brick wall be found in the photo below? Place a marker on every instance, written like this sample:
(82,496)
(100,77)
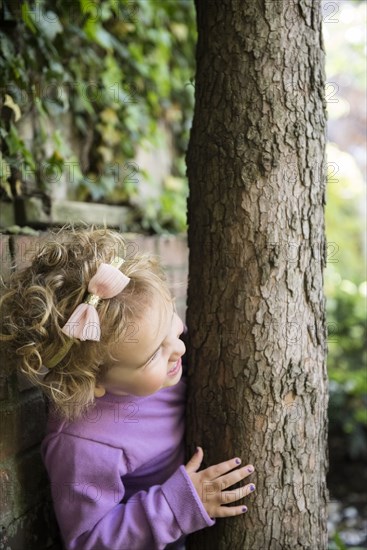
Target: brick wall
(27,521)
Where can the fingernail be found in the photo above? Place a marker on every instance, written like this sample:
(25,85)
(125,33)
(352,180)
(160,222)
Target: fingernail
(238,461)
(244,509)
(252,487)
(197,450)
(250,469)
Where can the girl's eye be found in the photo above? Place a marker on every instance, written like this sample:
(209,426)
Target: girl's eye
(153,357)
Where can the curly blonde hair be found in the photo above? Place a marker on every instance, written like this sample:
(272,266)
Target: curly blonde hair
(37,301)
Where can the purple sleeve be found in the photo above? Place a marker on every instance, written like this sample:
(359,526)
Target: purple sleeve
(87,490)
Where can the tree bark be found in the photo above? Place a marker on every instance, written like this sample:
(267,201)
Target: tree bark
(256,308)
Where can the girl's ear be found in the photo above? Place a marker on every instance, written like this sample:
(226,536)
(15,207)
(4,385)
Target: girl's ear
(99,391)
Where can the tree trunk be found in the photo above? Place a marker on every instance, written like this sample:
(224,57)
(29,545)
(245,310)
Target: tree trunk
(256,309)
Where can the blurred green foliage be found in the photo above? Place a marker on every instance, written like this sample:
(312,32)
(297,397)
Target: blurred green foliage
(346,290)
(116,67)
(337,543)
(345,276)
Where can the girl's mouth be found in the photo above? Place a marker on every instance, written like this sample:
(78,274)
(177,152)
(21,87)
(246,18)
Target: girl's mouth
(175,369)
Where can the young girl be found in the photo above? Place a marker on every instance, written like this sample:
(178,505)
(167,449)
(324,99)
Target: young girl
(99,333)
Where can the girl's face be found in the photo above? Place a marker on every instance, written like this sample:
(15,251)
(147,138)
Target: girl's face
(149,358)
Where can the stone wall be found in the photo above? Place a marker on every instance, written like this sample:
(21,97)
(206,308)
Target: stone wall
(27,521)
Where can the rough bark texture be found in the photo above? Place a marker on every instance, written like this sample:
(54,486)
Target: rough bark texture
(256,309)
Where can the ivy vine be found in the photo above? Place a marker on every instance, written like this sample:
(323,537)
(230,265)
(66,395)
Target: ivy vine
(115,68)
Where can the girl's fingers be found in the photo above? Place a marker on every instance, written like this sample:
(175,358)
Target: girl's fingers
(228,511)
(237,494)
(222,468)
(194,463)
(236,476)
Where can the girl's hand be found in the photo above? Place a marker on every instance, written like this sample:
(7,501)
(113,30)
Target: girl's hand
(210,484)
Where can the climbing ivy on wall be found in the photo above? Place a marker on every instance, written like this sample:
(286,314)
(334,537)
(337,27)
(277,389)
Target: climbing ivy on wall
(116,67)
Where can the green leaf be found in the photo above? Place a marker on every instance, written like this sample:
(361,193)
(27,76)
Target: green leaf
(98,34)
(9,102)
(28,17)
(49,24)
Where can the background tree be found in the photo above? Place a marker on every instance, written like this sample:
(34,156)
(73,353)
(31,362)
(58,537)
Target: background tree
(257,381)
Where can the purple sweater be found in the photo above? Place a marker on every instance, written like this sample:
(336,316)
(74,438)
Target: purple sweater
(117,475)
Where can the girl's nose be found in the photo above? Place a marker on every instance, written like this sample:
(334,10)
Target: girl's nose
(179,350)
(179,325)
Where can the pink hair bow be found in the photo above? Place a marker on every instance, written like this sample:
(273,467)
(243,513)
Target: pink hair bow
(106,283)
